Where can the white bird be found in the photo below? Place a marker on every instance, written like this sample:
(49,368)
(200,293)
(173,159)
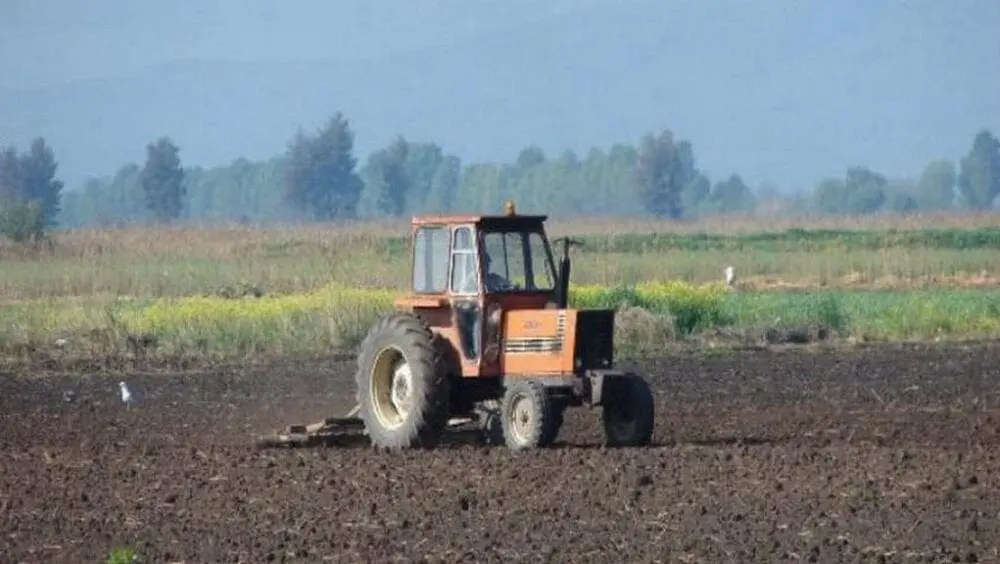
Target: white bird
(126,395)
(730,275)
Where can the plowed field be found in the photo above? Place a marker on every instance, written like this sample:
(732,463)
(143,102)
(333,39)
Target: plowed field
(880,454)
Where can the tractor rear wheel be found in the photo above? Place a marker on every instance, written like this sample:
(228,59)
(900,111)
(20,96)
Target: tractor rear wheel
(402,390)
(628,415)
(527,416)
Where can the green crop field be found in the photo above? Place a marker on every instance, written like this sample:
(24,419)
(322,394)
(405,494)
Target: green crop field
(317,288)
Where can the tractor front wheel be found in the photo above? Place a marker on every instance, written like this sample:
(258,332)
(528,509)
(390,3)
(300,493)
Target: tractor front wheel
(628,414)
(403,393)
(527,416)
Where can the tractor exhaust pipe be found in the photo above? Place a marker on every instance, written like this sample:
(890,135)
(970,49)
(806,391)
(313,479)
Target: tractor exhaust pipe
(562,289)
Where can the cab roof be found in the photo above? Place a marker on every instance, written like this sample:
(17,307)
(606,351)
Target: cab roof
(485,221)
(509,220)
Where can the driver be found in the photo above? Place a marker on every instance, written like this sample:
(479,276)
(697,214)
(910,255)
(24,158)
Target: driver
(494,282)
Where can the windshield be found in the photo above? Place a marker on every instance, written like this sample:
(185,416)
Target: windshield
(516,260)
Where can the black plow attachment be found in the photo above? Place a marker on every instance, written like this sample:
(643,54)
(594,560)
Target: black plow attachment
(337,431)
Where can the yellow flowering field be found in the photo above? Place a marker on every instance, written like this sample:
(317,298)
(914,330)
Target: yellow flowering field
(337,316)
(171,315)
(339,305)
(332,317)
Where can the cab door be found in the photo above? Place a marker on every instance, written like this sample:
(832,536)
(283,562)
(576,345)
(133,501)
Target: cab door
(466,297)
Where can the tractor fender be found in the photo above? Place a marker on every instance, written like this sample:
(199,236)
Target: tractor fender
(604,385)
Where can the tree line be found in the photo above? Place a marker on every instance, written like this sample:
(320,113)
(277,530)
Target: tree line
(320,178)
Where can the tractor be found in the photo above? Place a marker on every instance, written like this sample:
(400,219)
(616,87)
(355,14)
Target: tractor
(485,334)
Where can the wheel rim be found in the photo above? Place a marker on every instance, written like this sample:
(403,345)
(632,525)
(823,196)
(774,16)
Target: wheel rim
(391,388)
(521,417)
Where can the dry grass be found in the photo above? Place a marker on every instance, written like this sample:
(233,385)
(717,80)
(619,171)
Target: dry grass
(218,242)
(227,237)
(747,223)
(147,262)
(231,241)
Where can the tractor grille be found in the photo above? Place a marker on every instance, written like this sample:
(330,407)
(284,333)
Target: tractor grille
(595,332)
(551,344)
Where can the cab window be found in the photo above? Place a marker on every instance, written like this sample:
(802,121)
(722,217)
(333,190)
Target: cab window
(464,277)
(517,260)
(430,260)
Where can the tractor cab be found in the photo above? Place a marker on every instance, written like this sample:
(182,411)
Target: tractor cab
(467,270)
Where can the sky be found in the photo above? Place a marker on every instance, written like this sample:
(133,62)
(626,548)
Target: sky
(781,92)
(53,41)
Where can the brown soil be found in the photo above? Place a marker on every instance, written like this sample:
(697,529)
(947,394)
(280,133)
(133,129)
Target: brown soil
(878,454)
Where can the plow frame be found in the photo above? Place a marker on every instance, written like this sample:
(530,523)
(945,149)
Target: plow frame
(335,431)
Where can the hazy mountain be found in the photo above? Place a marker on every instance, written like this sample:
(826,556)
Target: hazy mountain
(787,96)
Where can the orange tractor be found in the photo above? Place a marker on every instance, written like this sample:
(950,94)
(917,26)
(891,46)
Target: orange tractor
(485,335)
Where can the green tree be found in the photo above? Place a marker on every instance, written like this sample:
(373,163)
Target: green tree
(979,179)
(22,221)
(901,196)
(385,174)
(860,192)
(830,196)
(444,185)
(30,194)
(936,187)
(422,161)
(530,157)
(125,198)
(663,169)
(38,180)
(482,186)
(10,177)
(162,180)
(615,186)
(732,195)
(557,186)
(320,178)
(865,189)
(695,195)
